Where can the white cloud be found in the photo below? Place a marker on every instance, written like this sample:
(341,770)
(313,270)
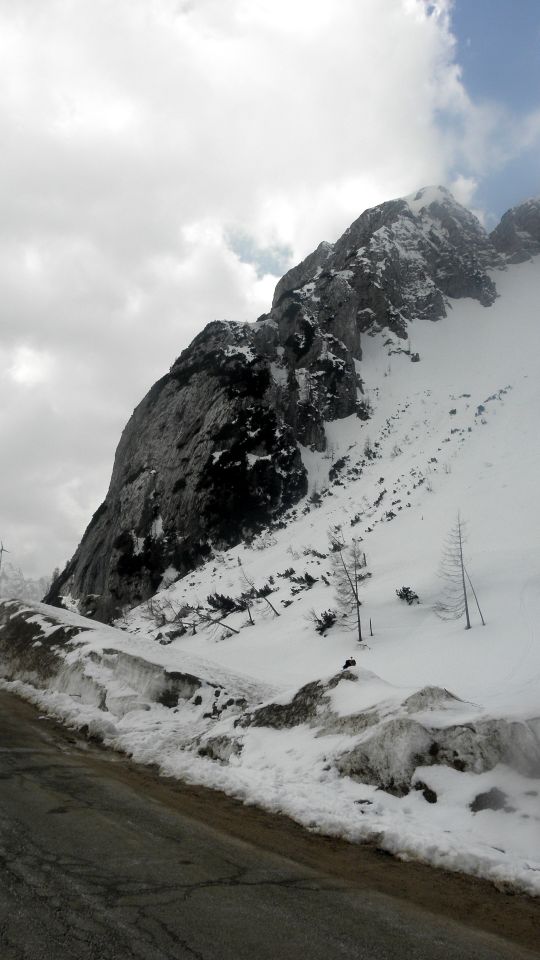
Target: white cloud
(30,367)
(137,138)
(464,188)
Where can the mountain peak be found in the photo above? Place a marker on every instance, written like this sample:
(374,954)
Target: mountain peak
(427,196)
(398,261)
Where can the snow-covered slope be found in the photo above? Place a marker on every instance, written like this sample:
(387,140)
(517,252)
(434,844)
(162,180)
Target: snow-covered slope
(457,431)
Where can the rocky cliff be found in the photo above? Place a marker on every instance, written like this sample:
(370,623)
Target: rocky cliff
(214,451)
(518,235)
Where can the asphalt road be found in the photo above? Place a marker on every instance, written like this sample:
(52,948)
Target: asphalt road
(101,860)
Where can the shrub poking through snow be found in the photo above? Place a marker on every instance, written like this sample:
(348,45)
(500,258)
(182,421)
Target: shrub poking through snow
(219,601)
(311,552)
(405,593)
(364,409)
(337,467)
(323,621)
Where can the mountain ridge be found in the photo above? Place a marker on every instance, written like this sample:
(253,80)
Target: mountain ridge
(213,453)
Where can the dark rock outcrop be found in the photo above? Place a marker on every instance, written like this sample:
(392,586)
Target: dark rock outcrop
(213,452)
(304,707)
(206,458)
(518,234)
(397,262)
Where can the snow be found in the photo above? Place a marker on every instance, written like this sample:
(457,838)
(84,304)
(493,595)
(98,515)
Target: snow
(436,452)
(169,576)
(279,373)
(348,698)
(428,195)
(253,458)
(237,349)
(317,468)
(157,528)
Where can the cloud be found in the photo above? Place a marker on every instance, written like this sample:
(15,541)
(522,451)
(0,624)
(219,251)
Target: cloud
(30,367)
(161,159)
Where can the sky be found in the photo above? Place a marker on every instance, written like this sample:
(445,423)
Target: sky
(163,162)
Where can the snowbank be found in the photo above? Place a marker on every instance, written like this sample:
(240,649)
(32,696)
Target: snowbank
(416,771)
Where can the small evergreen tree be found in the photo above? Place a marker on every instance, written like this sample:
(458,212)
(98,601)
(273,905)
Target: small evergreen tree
(406,593)
(350,571)
(454,602)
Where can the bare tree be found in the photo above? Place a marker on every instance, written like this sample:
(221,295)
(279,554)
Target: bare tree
(247,596)
(475,597)
(215,621)
(165,611)
(248,603)
(349,573)
(454,602)
(254,593)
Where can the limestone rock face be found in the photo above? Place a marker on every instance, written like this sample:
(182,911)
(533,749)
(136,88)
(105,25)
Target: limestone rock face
(204,458)
(213,452)
(518,234)
(397,262)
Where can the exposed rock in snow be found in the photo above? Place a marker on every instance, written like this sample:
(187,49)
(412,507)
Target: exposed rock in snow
(305,706)
(220,748)
(393,744)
